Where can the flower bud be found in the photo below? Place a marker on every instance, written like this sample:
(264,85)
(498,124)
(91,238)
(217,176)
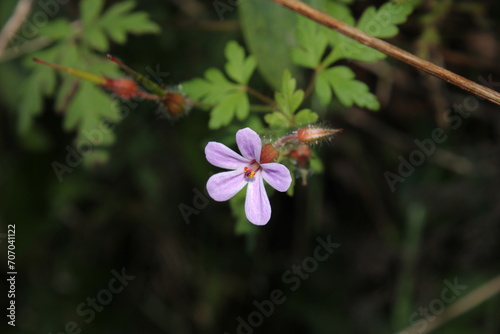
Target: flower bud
(314,134)
(175,104)
(268,154)
(124,88)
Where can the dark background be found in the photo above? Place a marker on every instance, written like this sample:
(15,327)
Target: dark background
(396,248)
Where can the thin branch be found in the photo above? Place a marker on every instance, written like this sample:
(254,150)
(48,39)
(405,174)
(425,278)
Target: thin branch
(15,22)
(260,96)
(465,304)
(25,48)
(391,50)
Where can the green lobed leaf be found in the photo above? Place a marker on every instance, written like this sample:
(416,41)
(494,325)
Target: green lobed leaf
(227,99)
(380,23)
(233,104)
(212,89)
(87,105)
(134,23)
(305,117)
(96,39)
(90,10)
(383,22)
(348,90)
(86,114)
(277,120)
(289,99)
(313,40)
(57,29)
(115,23)
(239,68)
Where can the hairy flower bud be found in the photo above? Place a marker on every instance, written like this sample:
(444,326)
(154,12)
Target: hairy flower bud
(314,134)
(175,104)
(269,154)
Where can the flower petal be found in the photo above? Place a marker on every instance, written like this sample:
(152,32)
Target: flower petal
(223,186)
(222,156)
(257,206)
(277,175)
(249,144)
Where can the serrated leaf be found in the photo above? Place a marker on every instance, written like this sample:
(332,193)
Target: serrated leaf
(233,104)
(378,23)
(87,110)
(289,99)
(305,117)
(115,23)
(95,38)
(135,23)
(217,78)
(383,22)
(118,21)
(239,68)
(90,10)
(342,13)
(348,90)
(212,89)
(57,29)
(120,9)
(229,99)
(277,120)
(313,40)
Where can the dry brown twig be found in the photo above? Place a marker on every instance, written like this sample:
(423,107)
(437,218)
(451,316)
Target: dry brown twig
(21,11)
(391,50)
(473,299)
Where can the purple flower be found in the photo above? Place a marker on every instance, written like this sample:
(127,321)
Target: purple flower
(246,169)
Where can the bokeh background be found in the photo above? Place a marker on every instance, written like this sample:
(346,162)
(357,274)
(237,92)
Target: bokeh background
(397,248)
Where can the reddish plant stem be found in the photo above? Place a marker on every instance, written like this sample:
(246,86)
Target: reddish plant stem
(260,96)
(391,50)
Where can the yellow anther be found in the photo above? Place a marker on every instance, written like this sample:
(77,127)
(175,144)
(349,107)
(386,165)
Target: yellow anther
(248,172)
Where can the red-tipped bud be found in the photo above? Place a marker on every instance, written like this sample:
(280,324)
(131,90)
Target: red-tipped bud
(175,104)
(314,134)
(268,154)
(124,88)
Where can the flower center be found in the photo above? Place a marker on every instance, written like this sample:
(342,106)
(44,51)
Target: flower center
(251,170)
